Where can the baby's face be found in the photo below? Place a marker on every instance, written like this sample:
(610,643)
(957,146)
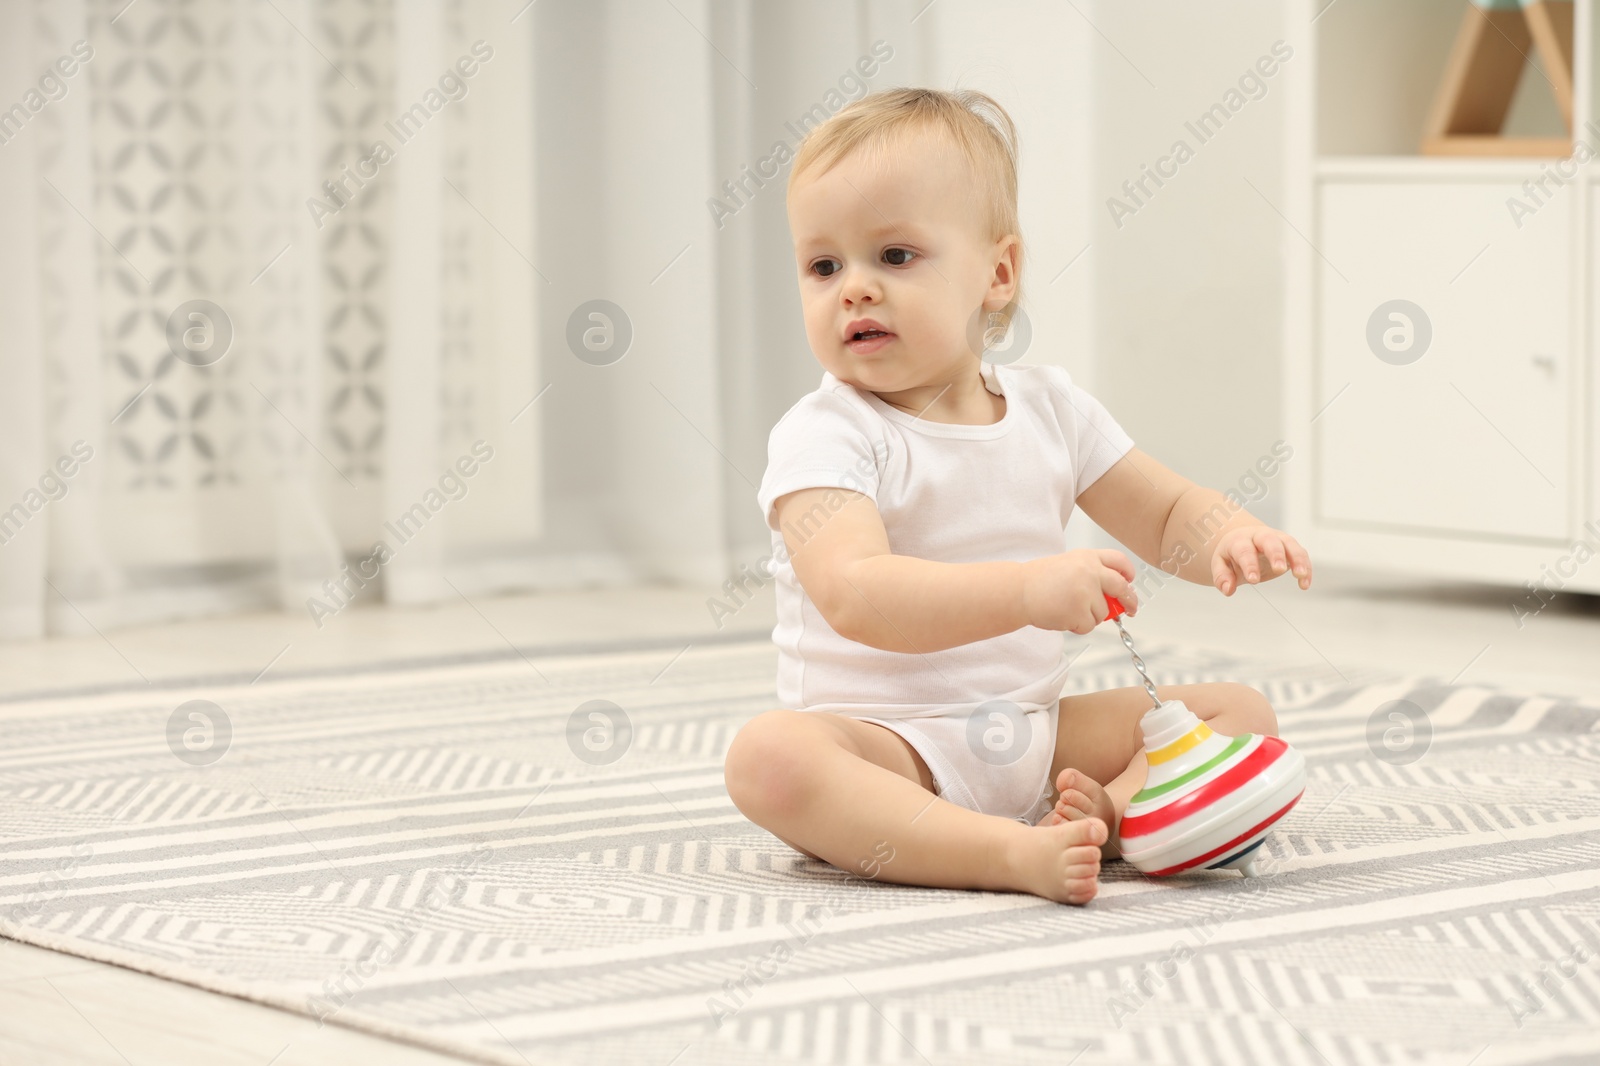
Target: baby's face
(902,244)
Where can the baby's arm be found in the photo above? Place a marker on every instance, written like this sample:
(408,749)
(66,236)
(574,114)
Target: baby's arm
(1189,530)
(841,556)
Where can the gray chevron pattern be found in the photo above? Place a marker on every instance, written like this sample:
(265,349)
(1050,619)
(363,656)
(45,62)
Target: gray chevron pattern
(427,850)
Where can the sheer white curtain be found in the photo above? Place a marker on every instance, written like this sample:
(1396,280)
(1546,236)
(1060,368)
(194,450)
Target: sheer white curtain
(442,295)
(245,347)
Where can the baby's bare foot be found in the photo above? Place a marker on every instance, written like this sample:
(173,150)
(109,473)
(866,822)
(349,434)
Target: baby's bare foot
(1083,797)
(1060,862)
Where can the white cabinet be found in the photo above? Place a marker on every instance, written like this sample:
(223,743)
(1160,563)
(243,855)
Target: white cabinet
(1443,357)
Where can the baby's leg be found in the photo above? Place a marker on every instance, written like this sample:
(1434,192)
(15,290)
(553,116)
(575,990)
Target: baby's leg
(1099,761)
(856,795)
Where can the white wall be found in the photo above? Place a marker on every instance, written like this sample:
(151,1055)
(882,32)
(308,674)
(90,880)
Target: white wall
(1188,291)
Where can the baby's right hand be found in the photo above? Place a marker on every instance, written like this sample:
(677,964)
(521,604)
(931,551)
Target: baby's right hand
(1068,591)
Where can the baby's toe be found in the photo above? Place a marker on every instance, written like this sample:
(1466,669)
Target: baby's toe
(1074,805)
(1086,830)
(1082,887)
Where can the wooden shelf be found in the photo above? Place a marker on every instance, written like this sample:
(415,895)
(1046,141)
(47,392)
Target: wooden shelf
(1482,145)
(1431,168)
(1379,65)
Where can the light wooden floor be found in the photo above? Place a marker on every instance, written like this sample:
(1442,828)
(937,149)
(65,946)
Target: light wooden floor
(55,1008)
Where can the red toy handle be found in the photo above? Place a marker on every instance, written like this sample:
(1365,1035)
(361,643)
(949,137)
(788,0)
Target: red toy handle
(1116,608)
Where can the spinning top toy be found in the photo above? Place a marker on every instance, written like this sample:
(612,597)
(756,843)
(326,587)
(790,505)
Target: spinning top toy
(1208,800)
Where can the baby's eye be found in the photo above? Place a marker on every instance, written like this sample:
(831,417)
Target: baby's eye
(833,266)
(889,255)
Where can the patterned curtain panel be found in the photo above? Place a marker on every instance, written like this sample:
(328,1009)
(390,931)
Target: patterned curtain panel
(268,307)
(299,298)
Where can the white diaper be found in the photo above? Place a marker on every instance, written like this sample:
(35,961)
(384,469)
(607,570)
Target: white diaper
(994,762)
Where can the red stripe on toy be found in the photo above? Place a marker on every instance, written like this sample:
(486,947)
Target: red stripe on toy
(1268,752)
(1235,842)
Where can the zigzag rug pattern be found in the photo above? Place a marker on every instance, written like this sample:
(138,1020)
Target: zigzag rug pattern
(418,851)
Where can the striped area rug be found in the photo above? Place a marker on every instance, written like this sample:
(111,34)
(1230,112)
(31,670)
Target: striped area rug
(477,856)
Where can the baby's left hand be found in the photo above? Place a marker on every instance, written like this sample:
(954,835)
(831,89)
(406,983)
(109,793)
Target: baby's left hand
(1246,552)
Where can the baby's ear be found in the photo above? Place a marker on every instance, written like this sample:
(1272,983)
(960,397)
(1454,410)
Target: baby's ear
(1007,279)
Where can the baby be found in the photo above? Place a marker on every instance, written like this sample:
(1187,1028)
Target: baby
(919,500)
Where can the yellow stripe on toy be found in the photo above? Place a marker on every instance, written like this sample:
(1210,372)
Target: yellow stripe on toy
(1197,735)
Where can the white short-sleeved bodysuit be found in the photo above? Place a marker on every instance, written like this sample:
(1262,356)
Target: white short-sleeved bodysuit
(982,715)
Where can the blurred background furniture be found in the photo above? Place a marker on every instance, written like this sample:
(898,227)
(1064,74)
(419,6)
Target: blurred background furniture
(1487,64)
(1439,359)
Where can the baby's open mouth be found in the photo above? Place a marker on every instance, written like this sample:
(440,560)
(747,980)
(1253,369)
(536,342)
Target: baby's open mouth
(867,334)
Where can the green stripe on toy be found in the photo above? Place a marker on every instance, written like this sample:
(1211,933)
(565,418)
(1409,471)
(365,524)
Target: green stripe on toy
(1150,793)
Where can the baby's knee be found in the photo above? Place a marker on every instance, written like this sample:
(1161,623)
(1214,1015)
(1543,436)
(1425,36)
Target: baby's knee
(763,769)
(1250,707)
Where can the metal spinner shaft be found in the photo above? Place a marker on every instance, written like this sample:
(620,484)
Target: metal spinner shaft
(1127,641)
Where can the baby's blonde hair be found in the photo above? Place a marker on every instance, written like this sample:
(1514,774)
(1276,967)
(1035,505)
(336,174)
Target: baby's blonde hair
(974,121)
